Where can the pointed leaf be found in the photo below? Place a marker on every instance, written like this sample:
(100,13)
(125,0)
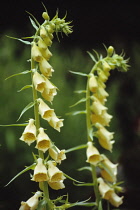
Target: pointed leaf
(34,18)
(76,112)
(78,102)
(72,178)
(80,91)
(85,168)
(23,124)
(84,184)
(23,171)
(25,87)
(76,148)
(92,57)
(24,72)
(33,23)
(21,40)
(30,105)
(79,73)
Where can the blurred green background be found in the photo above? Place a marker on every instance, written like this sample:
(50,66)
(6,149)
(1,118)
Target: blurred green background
(123,104)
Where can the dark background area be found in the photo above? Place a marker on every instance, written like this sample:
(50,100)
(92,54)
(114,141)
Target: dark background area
(114,23)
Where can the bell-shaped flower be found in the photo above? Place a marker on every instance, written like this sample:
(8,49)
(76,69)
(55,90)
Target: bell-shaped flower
(35,53)
(43,32)
(50,91)
(40,172)
(55,122)
(46,53)
(101,94)
(56,185)
(39,82)
(104,189)
(106,66)
(103,133)
(106,144)
(45,68)
(103,119)
(29,133)
(93,155)
(56,154)
(109,194)
(43,141)
(93,84)
(97,107)
(41,44)
(47,40)
(109,169)
(55,175)
(45,111)
(115,200)
(103,76)
(31,203)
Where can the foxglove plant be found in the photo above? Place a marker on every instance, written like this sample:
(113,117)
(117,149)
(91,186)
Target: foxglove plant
(45,170)
(97,122)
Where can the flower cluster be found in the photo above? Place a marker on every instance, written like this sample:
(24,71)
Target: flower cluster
(45,170)
(99,119)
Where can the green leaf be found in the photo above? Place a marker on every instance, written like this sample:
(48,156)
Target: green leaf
(30,105)
(76,148)
(25,87)
(24,72)
(41,205)
(80,91)
(84,184)
(21,40)
(34,18)
(72,178)
(33,23)
(78,102)
(23,124)
(79,73)
(23,171)
(76,112)
(84,203)
(85,168)
(92,57)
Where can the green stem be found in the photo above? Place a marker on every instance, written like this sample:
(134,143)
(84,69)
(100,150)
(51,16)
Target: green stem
(37,123)
(90,139)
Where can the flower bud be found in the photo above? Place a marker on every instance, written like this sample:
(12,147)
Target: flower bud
(43,141)
(56,185)
(93,85)
(45,16)
(56,154)
(29,134)
(55,175)
(93,156)
(35,53)
(32,202)
(43,32)
(106,66)
(40,172)
(110,50)
(39,82)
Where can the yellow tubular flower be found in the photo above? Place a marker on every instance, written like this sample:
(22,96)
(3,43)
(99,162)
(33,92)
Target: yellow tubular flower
(40,172)
(56,185)
(93,156)
(97,107)
(108,193)
(31,203)
(103,133)
(106,66)
(45,68)
(101,94)
(93,85)
(55,122)
(45,111)
(46,53)
(43,141)
(109,171)
(39,82)
(43,32)
(102,76)
(55,175)
(49,91)
(29,133)
(103,119)
(35,53)
(106,144)
(56,154)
